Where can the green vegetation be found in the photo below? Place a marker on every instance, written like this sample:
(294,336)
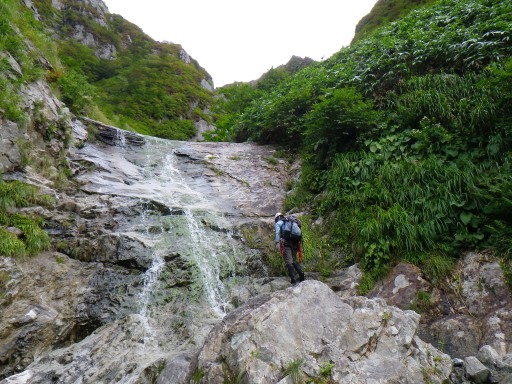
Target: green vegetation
(145,86)
(16,26)
(422,302)
(233,99)
(405,138)
(33,238)
(384,12)
(295,372)
(325,374)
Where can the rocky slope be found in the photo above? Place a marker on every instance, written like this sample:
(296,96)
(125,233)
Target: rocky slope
(156,274)
(83,311)
(123,68)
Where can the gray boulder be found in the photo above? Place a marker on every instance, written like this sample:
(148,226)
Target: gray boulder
(475,370)
(310,327)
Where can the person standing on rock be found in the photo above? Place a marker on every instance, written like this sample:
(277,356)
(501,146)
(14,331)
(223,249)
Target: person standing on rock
(288,237)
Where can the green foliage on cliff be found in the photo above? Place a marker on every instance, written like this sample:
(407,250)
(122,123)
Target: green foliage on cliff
(16,27)
(234,98)
(405,137)
(33,238)
(384,12)
(145,86)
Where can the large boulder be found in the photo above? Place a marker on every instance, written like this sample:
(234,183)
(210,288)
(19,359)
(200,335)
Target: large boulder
(310,327)
(473,309)
(400,287)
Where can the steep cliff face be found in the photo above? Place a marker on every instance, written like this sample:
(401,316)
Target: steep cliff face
(148,251)
(127,69)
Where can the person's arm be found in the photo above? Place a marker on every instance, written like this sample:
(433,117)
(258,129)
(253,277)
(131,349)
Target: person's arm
(278,231)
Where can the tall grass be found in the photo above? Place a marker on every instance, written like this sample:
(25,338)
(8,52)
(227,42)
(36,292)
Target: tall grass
(34,239)
(466,104)
(408,206)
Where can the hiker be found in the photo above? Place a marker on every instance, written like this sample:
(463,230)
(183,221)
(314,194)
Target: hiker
(289,244)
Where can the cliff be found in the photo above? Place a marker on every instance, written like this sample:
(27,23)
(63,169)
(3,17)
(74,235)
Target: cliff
(108,68)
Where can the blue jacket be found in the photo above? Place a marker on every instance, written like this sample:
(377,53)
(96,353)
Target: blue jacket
(279,224)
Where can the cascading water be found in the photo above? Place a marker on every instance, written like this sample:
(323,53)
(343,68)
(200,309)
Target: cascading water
(208,262)
(120,138)
(197,229)
(150,281)
(167,212)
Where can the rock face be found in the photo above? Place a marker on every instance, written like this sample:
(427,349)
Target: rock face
(10,156)
(470,319)
(143,217)
(51,301)
(474,311)
(362,340)
(47,114)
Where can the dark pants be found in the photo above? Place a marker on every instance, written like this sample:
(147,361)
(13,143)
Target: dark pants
(290,258)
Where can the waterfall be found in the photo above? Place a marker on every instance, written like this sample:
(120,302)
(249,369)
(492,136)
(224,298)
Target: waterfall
(209,263)
(120,138)
(177,221)
(161,217)
(202,235)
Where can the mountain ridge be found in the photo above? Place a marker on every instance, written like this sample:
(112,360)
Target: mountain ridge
(139,84)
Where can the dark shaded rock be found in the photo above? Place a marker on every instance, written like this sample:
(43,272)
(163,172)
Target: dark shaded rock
(459,335)
(401,286)
(10,155)
(475,370)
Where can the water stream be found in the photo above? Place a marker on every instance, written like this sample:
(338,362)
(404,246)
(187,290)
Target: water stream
(196,229)
(168,218)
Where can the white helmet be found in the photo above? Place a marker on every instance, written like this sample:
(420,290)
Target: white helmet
(277,215)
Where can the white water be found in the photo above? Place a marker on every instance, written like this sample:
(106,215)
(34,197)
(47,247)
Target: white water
(173,220)
(154,175)
(120,139)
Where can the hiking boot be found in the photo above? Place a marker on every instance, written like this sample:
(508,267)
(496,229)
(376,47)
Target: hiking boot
(299,271)
(289,267)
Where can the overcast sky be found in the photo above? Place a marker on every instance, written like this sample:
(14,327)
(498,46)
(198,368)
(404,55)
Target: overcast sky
(239,40)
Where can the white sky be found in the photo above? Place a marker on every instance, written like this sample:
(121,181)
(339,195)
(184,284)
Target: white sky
(239,40)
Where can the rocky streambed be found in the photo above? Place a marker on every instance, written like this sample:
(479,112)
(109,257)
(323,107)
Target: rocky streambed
(157,277)
(151,254)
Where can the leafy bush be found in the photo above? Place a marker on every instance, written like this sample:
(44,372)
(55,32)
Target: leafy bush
(175,130)
(76,91)
(335,123)
(231,101)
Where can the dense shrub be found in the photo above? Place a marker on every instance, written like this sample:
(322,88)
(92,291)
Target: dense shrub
(335,123)
(406,137)
(76,91)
